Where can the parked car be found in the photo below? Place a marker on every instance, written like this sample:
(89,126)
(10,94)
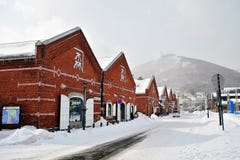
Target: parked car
(176,113)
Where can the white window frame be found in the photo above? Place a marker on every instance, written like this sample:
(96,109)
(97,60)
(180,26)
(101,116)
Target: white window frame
(109,114)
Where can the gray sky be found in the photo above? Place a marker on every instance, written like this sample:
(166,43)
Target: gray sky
(143,29)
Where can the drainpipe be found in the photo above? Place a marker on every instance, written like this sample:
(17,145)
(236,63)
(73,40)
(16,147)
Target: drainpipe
(39,87)
(101,93)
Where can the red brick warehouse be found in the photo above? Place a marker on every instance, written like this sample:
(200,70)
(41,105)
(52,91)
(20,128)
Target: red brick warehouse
(118,88)
(164,100)
(147,97)
(46,78)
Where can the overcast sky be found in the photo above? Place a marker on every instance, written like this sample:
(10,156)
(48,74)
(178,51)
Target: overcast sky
(143,29)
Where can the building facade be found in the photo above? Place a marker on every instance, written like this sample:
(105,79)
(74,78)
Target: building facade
(118,85)
(163,100)
(147,98)
(52,80)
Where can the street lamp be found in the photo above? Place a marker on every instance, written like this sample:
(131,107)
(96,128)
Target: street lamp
(84,106)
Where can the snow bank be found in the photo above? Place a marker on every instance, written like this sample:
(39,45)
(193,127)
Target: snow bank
(154,116)
(232,117)
(193,136)
(103,121)
(26,135)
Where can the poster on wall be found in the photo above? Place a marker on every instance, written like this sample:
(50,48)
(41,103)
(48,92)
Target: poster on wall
(11,115)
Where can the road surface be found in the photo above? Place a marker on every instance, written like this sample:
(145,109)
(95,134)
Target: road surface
(106,150)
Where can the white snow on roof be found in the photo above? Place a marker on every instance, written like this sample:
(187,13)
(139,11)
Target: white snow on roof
(27,49)
(230,88)
(50,40)
(234,100)
(168,91)
(105,62)
(142,85)
(160,90)
(18,50)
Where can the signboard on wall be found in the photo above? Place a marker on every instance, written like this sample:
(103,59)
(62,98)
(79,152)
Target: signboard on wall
(11,115)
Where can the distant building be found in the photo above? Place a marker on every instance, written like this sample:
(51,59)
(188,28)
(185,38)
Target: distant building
(147,97)
(200,101)
(229,94)
(172,99)
(163,100)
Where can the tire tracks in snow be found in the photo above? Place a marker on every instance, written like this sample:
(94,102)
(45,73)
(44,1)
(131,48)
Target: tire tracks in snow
(106,150)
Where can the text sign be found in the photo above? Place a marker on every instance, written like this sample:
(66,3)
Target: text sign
(11,115)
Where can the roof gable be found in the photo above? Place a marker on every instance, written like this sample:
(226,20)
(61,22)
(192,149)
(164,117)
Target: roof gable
(68,37)
(144,84)
(107,62)
(113,62)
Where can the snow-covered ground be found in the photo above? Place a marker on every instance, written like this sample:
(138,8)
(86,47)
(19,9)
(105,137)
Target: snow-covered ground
(192,136)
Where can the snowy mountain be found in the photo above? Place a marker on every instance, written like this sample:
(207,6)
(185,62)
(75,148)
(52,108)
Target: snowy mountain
(186,74)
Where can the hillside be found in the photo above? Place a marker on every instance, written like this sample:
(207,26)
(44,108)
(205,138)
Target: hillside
(186,74)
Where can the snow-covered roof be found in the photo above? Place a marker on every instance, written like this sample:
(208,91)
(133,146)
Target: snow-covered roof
(27,49)
(234,100)
(142,85)
(18,50)
(161,90)
(55,38)
(230,88)
(107,62)
(168,91)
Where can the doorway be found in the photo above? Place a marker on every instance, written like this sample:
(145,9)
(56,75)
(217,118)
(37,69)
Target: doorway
(123,110)
(75,112)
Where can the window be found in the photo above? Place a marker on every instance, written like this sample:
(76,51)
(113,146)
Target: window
(109,109)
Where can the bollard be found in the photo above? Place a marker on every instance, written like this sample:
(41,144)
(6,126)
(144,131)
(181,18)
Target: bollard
(107,123)
(69,129)
(101,124)
(93,125)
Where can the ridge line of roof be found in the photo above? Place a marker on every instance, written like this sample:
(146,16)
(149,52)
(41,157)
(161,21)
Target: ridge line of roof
(59,36)
(113,61)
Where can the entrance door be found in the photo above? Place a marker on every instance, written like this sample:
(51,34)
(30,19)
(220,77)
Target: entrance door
(132,112)
(75,112)
(123,112)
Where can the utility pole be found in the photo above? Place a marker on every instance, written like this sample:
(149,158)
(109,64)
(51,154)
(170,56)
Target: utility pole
(218,83)
(84,106)
(220,108)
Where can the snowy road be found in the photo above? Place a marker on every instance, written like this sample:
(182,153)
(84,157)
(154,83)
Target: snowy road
(104,151)
(190,137)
